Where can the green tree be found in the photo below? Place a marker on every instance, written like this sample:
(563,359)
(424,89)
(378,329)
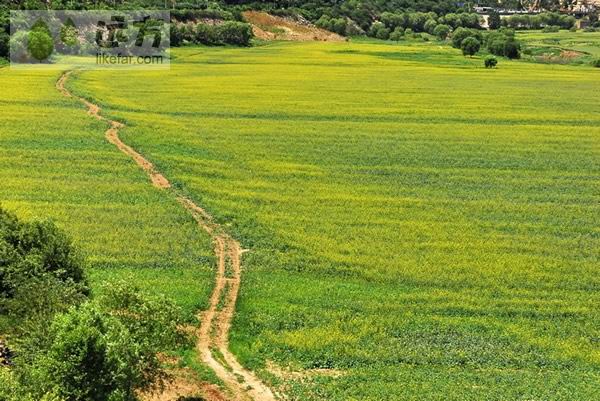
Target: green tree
(235,33)
(462,33)
(104,349)
(382,33)
(398,34)
(512,49)
(494,21)
(430,26)
(490,62)
(40,45)
(470,46)
(33,250)
(441,31)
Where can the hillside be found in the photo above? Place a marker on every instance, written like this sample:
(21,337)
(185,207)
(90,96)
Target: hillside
(270,27)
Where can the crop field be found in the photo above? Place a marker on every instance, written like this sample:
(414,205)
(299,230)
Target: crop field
(418,227)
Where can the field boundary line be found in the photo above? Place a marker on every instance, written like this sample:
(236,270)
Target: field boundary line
(215,322)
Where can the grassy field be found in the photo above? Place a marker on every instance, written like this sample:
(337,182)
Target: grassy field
(55,163)
(420,228)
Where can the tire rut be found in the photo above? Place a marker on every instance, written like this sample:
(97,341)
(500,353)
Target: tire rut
(213,337)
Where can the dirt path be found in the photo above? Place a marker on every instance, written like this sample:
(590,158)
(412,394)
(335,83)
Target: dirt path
(213,338)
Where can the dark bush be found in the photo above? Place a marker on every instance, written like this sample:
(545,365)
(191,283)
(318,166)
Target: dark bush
(34,250)
(234,33)
(596,63)
(176,35)
(490,62)
(494,21)
(512,49)
(4,46)
(383,33)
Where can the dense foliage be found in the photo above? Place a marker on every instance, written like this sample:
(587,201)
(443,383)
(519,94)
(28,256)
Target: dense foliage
(229,32)
(524,21)
(70,347)
(33,251)
(490,62)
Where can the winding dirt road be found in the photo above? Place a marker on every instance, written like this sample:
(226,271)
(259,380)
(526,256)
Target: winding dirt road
(213,338)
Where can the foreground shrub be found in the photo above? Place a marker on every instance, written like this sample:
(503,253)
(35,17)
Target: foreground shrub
(105,349)
(596,63)
(40,44)
(35,251)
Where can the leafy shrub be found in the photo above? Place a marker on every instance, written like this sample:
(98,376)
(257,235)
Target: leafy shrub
(441,31)
(397,35)
(462,33)
(512,49)
(490,62)
(337,25)
(103,350)
(470,46)
(230,32)
(503,43)
(430,26)
(375,27)
(383,33)
(551,29)
(596,63)
(40,45)
(234,33)
(35,250)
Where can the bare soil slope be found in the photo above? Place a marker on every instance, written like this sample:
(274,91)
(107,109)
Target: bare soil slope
(270,27)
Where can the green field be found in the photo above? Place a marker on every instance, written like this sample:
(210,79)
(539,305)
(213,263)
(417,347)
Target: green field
(56,164)
(420,228)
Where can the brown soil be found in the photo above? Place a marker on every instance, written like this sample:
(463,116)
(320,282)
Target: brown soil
(185,385)
(570,54)
(216,321)
(269,27)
